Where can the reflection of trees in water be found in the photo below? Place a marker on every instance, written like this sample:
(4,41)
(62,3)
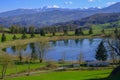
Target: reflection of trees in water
(91,41)
(76,41)
(13,49)
(41,49)
(81,41)
(63,57)
(20,50)
(54,43)
(66,42)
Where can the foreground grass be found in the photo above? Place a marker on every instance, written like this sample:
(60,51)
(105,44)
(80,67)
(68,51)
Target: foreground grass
(12,69)
(67,75)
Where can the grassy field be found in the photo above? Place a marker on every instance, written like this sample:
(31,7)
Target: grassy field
(67,75)
(96,31)
(9,37)
(12,69)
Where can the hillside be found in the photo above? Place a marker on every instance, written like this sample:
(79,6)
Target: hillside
(49,16)
(96,19)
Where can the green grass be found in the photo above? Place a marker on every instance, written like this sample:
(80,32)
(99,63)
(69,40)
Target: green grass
(9,37)
(96,30)
(22,67)
(68,75)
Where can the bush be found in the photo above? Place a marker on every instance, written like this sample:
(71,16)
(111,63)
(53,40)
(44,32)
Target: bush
(32,35)
(51,65)
(24,36)
(14,37)
(3,38)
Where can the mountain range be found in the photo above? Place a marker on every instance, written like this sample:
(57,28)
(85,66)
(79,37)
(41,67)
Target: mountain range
(48,16)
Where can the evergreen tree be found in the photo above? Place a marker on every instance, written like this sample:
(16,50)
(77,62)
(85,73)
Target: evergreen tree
(81,31)
(23,36)
(116,31)
(42,32)
(90,31)
(12,29)
(31,29)
(24,30)
(103,31)
(53,33)
(3,38)
(101,53)
(14,37)
(65,32)
(76,32)
(32,35)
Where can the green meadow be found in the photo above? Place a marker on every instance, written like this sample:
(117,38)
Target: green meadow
(68,75)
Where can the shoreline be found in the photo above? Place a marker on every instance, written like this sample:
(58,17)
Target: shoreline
(31,40)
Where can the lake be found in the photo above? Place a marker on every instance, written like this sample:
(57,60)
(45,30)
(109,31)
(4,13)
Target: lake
(69,49)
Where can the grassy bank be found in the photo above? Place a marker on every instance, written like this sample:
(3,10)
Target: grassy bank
(30,40)
(67,75)
(16,68)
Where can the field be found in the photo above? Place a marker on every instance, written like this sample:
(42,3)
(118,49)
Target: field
(96,32)
(67,75)
(12,69)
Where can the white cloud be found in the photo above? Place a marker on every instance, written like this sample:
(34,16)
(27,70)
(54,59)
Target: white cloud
(110,3)
(90,0)
(53,6)
(99,7)
(69,2)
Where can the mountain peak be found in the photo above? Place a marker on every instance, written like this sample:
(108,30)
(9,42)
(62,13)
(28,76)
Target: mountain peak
(50,15)
(113,8)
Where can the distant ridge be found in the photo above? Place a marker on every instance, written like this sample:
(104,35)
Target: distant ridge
(48,16)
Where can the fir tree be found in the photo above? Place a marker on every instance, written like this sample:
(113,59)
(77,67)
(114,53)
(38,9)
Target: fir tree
(90,31)
(76,32)
(23,36)
(81,31)
(116,31)
(14,37)
(3,38)
(103,31)
(65,32)
(32,35)
(53,33)
(42,33)
(101,53)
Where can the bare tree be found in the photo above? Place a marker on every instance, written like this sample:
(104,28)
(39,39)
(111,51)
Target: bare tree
(114,44)
(42,48)
(80,58)
(113,57)
(5,60)
(115,47)
(20,50)
(28,59)
(63,57)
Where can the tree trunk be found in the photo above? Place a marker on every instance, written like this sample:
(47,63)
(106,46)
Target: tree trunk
(40,60)
(4,71)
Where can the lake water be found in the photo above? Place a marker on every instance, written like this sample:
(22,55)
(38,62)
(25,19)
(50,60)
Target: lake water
(70,49)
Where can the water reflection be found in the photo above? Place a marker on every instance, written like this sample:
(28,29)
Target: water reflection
(64,49)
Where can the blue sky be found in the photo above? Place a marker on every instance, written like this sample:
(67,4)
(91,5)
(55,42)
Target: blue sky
(6,5)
